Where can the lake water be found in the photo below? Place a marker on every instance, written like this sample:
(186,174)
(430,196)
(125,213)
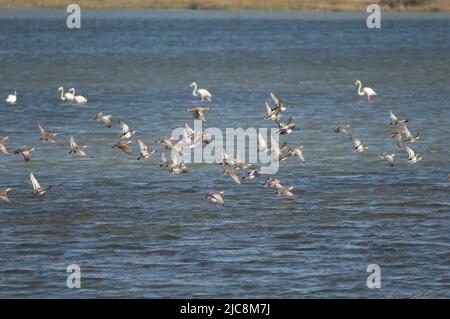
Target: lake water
(136,231)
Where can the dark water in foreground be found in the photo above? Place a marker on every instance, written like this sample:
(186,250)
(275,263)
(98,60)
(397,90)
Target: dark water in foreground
(135,231)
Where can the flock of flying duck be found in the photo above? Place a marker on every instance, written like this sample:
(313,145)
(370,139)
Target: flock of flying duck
(192,138)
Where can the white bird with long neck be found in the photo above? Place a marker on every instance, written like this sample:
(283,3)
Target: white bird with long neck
(12,98)
(67,96)
(78,98)
(203,93)
(365,91)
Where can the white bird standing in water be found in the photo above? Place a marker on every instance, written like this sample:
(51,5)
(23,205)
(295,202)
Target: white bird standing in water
(12,98)
(203,93)
(68,96)
(365,91)
(78,98)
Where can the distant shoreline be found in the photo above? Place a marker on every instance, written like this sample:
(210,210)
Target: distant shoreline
(236,5)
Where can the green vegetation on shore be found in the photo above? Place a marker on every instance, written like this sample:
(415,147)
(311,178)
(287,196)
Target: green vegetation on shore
(276,5)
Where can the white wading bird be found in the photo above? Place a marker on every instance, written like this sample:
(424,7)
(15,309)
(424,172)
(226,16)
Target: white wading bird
(12,98)
(68,96)
(78,98)
(365,91)
(203,93)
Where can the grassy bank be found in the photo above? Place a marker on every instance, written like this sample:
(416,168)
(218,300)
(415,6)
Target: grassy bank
(276,5)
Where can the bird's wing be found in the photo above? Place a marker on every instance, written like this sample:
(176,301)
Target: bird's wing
(355,141)
(42,130)
(224,155)
(369,91)
(26,154)
(235,177)
(288,122)
(218,198)
(274,98)
(127,149)
(34,181)
(142,147)
(188,129)
(124,127)
(411,153)
(299,153)
(262,142)
(5,198)
(201,116)
(204,92)
(186,137)
(268,109)
(392,115)
(73,144)
(391,161)
(175,158)
(407,132)
(3,149)
(162,156)
(274,146)
(107,120)
(238,159)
